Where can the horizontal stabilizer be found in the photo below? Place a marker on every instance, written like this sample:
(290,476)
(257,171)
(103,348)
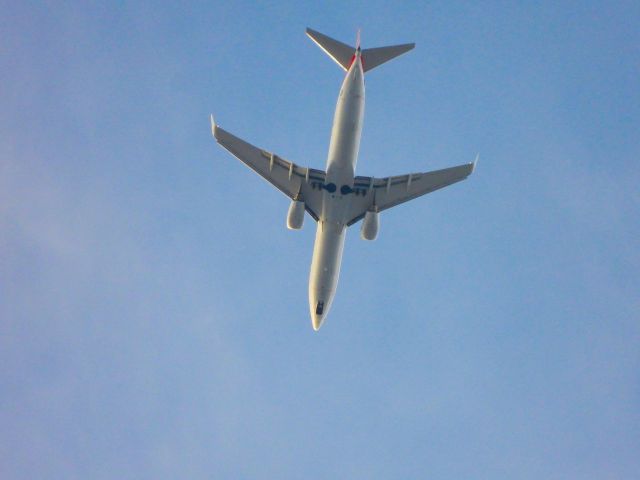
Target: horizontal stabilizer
(340,52)
(372,57)
(343,54)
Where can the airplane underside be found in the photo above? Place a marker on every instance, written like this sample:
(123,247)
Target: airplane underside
(335,198)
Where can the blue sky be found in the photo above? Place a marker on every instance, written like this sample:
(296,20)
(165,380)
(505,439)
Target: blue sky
(153,306)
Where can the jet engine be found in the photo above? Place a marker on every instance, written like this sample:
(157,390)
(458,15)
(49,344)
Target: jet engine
(295,217)
(370,224)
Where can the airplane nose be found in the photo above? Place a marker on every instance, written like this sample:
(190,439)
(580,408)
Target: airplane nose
(318,312)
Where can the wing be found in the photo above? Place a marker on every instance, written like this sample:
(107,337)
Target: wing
(381,193)
(297,183)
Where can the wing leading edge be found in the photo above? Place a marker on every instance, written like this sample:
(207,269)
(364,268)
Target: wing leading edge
(297,183)
(377,194)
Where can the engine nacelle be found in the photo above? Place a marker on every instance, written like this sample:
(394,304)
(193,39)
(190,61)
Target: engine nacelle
(370,225)
(295,217)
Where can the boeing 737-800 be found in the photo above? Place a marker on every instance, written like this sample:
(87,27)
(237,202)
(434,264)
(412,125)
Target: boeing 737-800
(336,198)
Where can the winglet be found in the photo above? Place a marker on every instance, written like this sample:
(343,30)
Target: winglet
(213,126)
(475,162)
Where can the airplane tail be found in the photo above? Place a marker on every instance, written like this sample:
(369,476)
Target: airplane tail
(343,54)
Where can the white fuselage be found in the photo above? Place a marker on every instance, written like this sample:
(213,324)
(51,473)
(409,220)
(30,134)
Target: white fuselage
(341,164)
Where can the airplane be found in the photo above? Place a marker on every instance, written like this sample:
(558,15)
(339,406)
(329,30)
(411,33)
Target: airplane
(335,198)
